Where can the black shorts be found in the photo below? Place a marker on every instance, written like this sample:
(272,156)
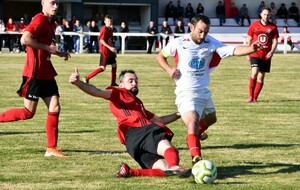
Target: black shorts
(141,144)
(263,65)
(32,89)
(107,60)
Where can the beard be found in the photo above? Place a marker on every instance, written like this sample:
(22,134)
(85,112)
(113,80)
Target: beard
(134,91)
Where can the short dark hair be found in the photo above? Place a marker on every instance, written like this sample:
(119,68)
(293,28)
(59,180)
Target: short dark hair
(121,75)
(197,18)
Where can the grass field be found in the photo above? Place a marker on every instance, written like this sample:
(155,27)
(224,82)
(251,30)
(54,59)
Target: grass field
(254,146)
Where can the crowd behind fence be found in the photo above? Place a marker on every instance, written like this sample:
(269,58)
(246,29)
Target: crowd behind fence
(230,39)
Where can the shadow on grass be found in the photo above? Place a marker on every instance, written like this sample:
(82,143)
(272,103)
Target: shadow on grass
(36,132)
(246,146)
(256,168)
(97,152)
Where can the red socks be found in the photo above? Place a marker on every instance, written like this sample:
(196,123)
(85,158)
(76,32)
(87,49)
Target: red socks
(194,146)
(15,115)
(52,129)
(94,73)
(252,85)
(146,172)
(257,90)
(113,75)
(171,156)
(202,127)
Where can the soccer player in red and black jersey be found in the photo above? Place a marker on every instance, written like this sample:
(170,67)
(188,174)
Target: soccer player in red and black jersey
(108,52)
(266,33)
(144,134)
(38,75)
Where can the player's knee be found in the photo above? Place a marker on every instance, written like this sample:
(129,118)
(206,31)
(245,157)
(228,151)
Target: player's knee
(27,114)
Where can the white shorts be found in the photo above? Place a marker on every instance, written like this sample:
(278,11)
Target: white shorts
(199,101)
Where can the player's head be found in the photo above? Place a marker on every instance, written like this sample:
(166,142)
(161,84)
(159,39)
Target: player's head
(199,27)
(265,14)
(50,7)
(129,80)
(108,21)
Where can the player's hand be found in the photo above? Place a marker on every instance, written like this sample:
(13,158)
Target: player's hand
(66,55)
(75,77)
(269,55)
(53,49)
(248,57)
(257,46)
(175,74)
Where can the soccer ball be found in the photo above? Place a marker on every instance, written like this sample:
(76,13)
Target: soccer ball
(204,171)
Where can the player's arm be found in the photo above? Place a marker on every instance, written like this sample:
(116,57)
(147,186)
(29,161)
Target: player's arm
(113,49)
(246,50)
(28,40)
(273,48)
(162,61)
(167,118)
(88,88)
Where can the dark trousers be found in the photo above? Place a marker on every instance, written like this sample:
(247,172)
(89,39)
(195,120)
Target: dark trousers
(150,41)
(11,39)
(1,42)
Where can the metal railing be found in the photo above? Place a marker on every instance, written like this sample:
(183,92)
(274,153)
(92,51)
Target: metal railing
(236,38)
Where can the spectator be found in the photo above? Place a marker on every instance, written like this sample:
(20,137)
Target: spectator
(234,13)
(67,38)
(220,11)
(2,29)
(289,39)
(260,7)
(59,38)
(282,13)
(94,44)
(21,28)
(123,29)
(165,29)
(86,38)
(273,12)
(76,39)
(11,38)
(72,22)
(170,11)
(294,13)
(189,12)
(26,19)
(244,14)
(179,11)
(179,28)
(151,29)
(200,9)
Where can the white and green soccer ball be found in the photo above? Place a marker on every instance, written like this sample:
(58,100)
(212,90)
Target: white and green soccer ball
(204,171)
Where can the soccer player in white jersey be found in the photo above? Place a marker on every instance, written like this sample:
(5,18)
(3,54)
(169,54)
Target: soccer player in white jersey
(196,54)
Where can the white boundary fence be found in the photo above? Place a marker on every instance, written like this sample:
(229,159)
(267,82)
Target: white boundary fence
(230,39)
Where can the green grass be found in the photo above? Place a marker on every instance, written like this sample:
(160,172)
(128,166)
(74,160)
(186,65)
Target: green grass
(254,146)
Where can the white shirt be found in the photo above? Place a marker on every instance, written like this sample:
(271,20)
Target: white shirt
(195,61)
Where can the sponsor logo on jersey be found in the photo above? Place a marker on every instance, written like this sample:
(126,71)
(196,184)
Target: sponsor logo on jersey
(197,63)
(263,39)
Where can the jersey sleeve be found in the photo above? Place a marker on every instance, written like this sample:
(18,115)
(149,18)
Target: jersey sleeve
(34,26)
(170,49)
(222,49)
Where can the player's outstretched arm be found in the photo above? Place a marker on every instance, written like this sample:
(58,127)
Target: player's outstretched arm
(88,88)
(246,50)
(166,119)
